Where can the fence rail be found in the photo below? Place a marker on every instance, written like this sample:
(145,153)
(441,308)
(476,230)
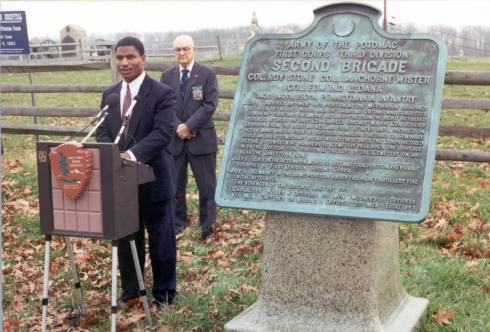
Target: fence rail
(39,67)
(450,103)
(37,129)
(56,88)
(451,77)
(81,112)
(102,50)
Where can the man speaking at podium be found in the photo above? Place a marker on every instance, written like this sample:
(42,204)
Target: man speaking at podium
(143,122)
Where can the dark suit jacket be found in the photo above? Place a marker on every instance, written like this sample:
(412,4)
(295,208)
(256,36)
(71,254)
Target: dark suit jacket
(150,131)
(196,109)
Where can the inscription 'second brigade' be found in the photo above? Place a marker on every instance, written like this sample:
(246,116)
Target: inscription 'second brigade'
(340,119)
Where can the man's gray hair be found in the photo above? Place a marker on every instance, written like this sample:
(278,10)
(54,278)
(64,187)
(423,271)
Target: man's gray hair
(184,38)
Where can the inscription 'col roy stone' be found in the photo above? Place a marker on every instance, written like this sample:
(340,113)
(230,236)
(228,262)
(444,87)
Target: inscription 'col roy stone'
(340,119)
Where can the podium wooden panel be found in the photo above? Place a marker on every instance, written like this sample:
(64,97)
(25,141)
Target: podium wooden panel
(108,209)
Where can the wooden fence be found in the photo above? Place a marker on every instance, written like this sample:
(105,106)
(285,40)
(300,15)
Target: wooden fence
(452,78)
(99,52)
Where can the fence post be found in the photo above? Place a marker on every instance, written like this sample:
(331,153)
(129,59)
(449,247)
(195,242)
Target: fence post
(79,48)
(219,48)
(33,97)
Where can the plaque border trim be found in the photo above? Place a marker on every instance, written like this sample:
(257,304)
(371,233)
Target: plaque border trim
(433,112)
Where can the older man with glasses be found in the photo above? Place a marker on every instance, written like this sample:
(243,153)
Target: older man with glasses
(195,141)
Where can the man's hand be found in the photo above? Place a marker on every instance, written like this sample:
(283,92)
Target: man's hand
(77,144)
(183,131)
(125,155)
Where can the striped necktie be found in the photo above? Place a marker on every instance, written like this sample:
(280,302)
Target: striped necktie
(125,109)
(183,81)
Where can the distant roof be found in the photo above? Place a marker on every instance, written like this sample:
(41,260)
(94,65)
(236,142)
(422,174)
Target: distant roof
(75,27)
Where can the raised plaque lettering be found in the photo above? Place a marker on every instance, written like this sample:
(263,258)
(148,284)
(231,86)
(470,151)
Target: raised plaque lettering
(340,119)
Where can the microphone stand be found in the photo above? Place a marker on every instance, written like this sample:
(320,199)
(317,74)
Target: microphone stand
(111,100)
(125,120)
(119,134)
(81,130)
(101,119)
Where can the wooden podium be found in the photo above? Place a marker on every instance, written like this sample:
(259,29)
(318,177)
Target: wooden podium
(107,209)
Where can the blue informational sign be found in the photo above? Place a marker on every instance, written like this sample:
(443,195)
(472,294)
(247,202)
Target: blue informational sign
(13,33)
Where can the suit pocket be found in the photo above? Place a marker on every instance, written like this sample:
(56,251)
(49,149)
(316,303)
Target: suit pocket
(205,142)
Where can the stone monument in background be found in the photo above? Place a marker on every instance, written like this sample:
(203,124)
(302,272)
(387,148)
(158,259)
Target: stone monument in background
(70,34)
(334,132)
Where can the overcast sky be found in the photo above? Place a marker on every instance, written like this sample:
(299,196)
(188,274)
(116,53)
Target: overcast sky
(47,18)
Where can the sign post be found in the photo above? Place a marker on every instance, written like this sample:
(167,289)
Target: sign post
(13,40)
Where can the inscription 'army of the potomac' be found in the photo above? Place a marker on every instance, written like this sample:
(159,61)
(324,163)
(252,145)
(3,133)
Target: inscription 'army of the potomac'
(340,123)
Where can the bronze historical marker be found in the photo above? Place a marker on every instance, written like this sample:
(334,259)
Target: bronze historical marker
(340,119)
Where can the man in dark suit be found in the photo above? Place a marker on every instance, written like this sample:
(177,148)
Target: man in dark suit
(149,106)
(195,141)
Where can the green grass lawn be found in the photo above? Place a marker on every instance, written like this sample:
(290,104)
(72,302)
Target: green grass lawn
(468,64)
(446,259)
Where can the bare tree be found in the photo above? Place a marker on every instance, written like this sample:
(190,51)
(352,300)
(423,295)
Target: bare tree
(450,37)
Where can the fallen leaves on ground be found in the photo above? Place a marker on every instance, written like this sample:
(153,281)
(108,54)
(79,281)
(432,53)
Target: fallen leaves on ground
(445,228)
(201,263)
(24,269)
(444,316)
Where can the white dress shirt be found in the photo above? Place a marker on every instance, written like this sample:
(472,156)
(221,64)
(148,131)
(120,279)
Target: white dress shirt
(189,67)
(134,88)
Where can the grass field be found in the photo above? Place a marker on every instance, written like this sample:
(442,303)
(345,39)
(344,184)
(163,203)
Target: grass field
(446,259)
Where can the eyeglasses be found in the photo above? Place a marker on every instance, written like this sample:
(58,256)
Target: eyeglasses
(184,49)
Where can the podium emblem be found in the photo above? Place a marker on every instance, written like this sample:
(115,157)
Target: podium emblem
(72,167)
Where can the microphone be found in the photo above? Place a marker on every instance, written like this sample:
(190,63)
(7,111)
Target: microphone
(110,102)
(130,109)
(126,118)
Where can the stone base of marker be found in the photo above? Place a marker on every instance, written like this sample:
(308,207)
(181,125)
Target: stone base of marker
(330,274)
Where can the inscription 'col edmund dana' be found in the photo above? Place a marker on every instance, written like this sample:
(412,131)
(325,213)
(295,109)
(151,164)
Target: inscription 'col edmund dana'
(340,119)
